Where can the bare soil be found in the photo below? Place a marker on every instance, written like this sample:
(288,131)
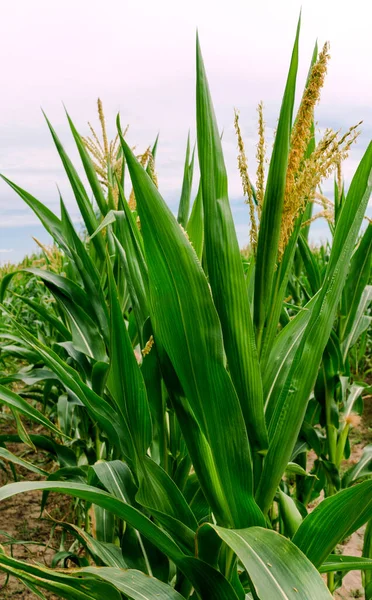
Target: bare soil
(20,519)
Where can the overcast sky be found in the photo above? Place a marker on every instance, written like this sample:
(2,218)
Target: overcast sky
(139,57)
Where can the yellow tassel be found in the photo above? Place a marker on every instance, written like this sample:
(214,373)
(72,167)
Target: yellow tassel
(247,188)
(260,155)
(149,344)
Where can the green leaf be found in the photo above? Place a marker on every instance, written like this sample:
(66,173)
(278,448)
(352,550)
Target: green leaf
(310,264)
(119,508)
(195,226)
(129,248)
(184,206)
(295,469)
(209,583)
(275,567)
(109,554)
(89,169)
(117,478)
(341,562)
(65,456)
(134,263)
(289,512)
(63,286)
(4,453)
(358,278)
(125,380)
(333,520)
(21,429)
(225,268)
(46,315)
(29,376)
(161,497)
(280,358)
(105,528)
(360,322)
(85,333)
(98,407)
(65,586)
(361,470)
(180,297)
(49,220)
(14,401)
(134,584)
(89,274)
(283,272)
(269,234)
(367,553)
(291,406)
(84,204)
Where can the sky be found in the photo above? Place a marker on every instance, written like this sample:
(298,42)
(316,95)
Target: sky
(139,58)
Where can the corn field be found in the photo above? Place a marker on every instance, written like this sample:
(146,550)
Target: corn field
(196,402)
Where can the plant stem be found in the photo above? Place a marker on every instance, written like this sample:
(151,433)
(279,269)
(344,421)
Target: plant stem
(331,581)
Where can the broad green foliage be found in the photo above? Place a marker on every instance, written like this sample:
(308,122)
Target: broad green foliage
(180,386)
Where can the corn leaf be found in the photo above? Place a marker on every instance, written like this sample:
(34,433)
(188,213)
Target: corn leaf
(98,407)
(184,206)
(338,562)
(119,508)
(80,194)
(125,380)
(290,578)
(361,470)
(195,226)
(269,234)
(16,460)
(360,321)
(360,270)
(333,520)
(225,268)
(89,169)
(180,297)
(291,406)
(49,220)
(209,583)
(87,271)
(46,315)
(64,585)
(134,584)
(14,401)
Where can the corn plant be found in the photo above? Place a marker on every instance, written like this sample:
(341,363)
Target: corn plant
(194,441)
(337,402)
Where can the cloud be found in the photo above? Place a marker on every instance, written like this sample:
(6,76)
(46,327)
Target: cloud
(6,250)
(150,79)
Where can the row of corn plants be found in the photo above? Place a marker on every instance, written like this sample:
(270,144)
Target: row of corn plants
(182,387)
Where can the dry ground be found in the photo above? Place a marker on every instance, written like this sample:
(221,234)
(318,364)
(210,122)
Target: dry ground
(20,520)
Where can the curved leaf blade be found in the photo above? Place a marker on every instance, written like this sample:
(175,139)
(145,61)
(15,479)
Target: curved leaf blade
(333,520)
(225,268)
(276,568)
(134,584)
(180,295)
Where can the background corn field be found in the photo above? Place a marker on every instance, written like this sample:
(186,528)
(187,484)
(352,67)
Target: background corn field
(194,400)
